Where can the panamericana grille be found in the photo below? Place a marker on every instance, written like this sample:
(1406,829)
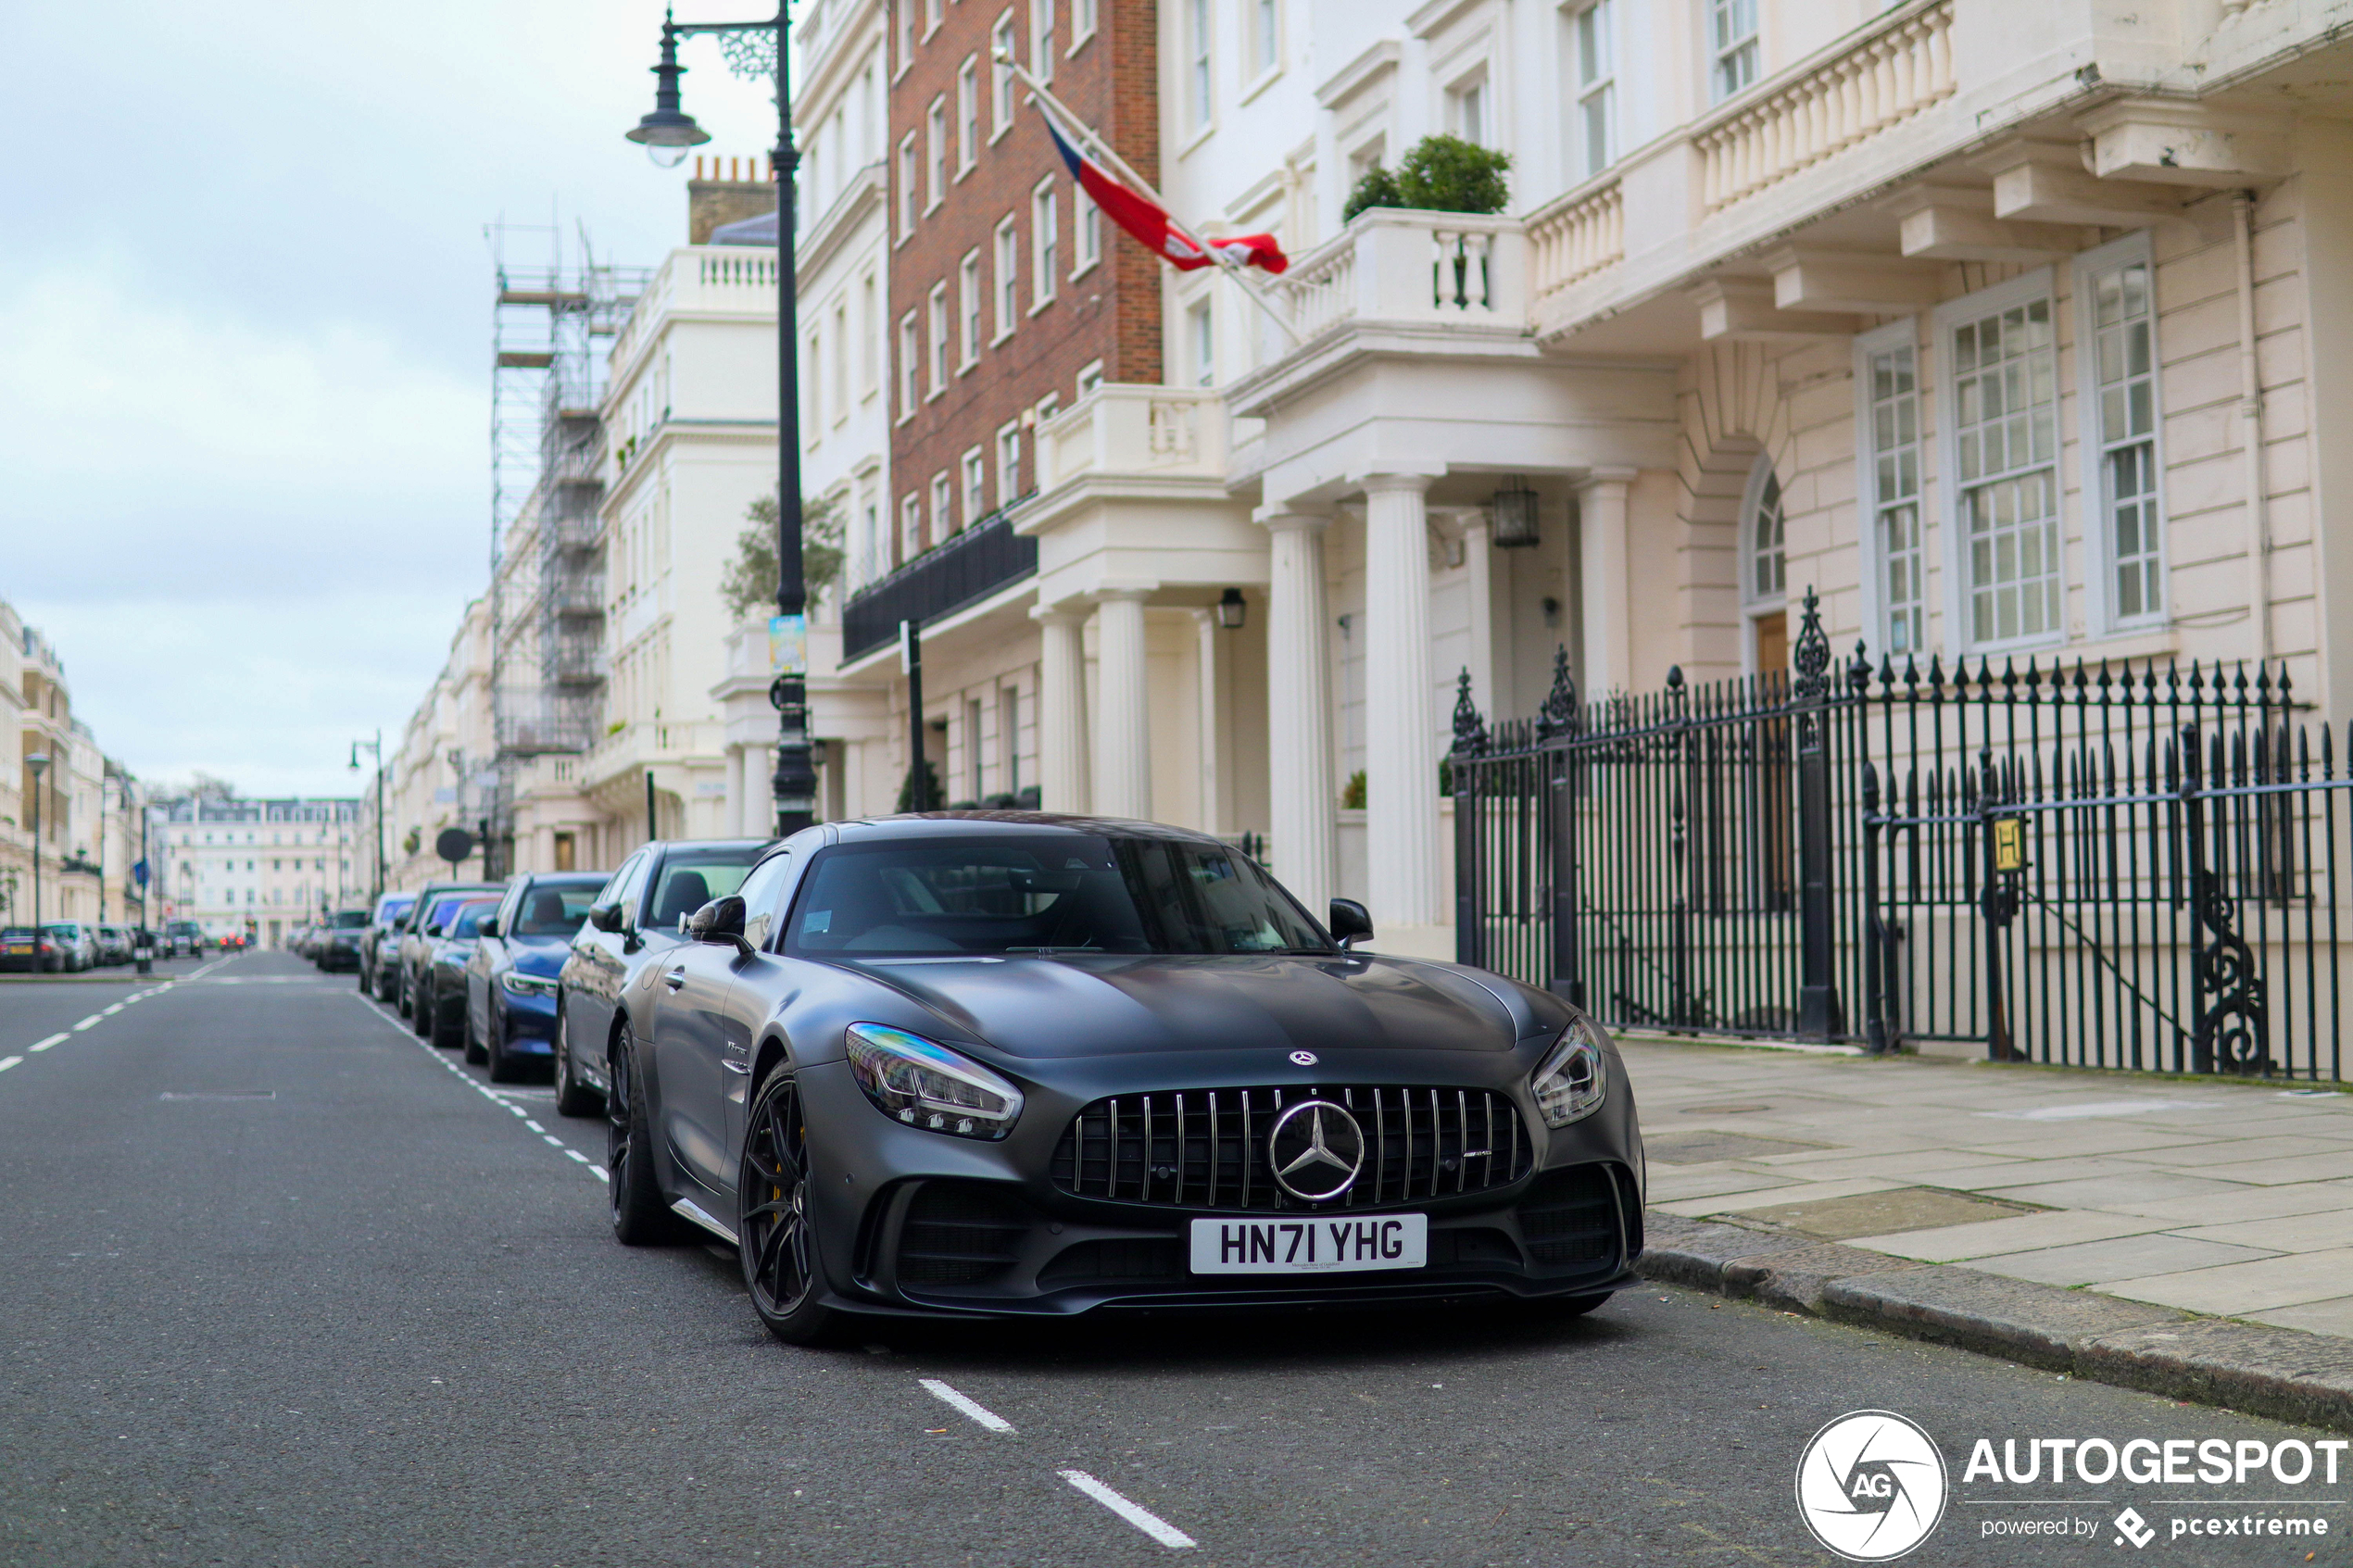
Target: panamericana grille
(1206,1148)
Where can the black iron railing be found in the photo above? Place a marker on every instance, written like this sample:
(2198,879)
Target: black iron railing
(964,570)
(2107,867)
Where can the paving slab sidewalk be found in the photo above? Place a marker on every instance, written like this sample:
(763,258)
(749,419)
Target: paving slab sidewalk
(2191,1237)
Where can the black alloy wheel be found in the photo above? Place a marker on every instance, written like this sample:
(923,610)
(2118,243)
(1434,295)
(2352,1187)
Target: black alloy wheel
(776,1239)
(640,1218)
(419,996)
(573,1097)
(504,1067)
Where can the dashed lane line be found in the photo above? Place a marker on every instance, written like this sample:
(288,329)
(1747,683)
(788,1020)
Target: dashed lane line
(454,1069)
(1143,1518)
(62,1035)
(969,1406)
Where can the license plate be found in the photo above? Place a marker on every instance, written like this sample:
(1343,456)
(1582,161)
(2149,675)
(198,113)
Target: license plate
(13,950)
(1318,1246)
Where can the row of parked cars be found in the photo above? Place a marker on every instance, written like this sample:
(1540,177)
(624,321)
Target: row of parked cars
(66,947)
(995,1062)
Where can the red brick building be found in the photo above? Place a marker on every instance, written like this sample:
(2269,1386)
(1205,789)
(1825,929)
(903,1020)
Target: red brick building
(1010,295)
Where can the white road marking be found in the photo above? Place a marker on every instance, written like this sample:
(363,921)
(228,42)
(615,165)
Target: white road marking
(969,1407)
(89,1022)
(456,1070)
(116,1008)
(52,1040)
(8,1061)
(1144,1519)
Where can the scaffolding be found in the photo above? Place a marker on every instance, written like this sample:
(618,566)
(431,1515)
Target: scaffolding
(546,555)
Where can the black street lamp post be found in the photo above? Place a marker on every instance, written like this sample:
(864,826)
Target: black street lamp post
(666,133)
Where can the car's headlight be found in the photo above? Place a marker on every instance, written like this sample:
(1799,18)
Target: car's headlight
(911,1080)
(1573,1080)
(527,984)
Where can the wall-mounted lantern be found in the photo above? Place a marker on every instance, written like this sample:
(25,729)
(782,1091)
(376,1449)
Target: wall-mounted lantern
(1231,609)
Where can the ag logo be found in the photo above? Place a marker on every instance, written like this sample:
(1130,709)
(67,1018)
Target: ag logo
(1872,1485)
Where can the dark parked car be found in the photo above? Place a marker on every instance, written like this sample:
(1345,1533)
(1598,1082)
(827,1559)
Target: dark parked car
(407,943)
(34,952)
(640,908)
(438,1009)
(180,936)
(337,944)
(510,980)
(114,944)
(378,936)
(978,1063)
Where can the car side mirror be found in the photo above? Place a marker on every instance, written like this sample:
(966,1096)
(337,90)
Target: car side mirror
(488,927)
(719,920)
(1351,923)
(434,930)
(605,917)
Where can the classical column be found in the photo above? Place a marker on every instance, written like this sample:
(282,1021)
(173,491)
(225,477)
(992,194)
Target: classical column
(1401,726)
(1606,593)
(1299,710)
(739,804)
(1479,557)
(1123,728)
(1062,710)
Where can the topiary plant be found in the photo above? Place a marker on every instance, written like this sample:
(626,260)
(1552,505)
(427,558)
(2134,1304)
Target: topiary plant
(1438,173)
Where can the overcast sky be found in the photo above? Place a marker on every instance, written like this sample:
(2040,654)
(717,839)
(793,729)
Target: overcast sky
(244,338)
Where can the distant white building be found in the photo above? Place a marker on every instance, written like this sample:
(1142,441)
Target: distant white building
(261,867)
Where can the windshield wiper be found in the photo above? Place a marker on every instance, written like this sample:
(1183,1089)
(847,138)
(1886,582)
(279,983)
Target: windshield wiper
(1050,952)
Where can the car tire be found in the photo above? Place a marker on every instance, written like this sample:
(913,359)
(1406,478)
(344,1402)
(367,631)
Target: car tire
(776,1233)
(420,999)
(640,1218)
(467,1040)
(573,1097)
(505,1067)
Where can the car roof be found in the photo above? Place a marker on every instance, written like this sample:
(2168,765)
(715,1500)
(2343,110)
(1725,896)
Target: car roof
(584,879)
(936,824)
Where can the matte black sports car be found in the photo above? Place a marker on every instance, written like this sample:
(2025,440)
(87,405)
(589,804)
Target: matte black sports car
(1009,1063)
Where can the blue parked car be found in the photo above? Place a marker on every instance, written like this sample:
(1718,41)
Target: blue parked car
(510,979)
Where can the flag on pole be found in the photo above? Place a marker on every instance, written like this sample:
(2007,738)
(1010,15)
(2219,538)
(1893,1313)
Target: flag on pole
(1145,219)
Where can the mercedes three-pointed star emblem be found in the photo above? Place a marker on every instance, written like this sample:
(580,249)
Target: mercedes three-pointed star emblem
(1317,1151)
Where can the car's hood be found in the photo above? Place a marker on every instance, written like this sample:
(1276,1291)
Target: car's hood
(1081,1006)
(542,956)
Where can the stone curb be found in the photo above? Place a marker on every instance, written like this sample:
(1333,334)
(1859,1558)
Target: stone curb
(2281,1373)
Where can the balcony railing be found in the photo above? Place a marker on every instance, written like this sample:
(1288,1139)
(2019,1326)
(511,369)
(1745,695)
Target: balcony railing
(969,567)
(1392,264)
(1161,430)
(704,279)
(1577,237)
(1885,76)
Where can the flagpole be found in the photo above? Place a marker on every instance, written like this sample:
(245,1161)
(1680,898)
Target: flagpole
(1232,267)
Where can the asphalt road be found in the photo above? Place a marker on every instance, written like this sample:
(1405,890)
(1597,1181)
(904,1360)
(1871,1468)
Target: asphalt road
(284,1287)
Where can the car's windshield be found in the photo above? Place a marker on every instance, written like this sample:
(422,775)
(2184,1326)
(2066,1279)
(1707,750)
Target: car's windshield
(351,920)
(554,912)
(470,918)
(17,934)
(442,909)
(68,929)
(692,877)
(393,909)
(1053,893)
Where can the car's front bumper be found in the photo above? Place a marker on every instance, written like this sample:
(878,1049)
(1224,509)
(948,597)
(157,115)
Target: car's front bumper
(914,1221)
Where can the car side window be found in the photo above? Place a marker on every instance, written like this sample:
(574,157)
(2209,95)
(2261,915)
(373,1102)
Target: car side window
(633,886)
(510,903)
(762,893)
